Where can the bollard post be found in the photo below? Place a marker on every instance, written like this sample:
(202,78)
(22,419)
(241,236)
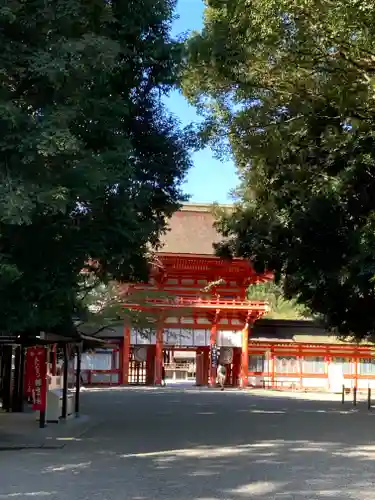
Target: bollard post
(369,398)
(354,396)
(42,419)
(64,409)
(343,394)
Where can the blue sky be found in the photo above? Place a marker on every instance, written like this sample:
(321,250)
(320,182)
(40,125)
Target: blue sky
(209,180)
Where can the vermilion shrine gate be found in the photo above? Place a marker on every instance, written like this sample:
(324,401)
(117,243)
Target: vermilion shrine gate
(263,356)
(224,312)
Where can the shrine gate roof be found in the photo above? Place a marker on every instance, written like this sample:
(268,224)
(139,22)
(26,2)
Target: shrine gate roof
(191,231)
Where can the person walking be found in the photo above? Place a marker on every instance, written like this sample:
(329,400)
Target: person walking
(221,376)
(163,382)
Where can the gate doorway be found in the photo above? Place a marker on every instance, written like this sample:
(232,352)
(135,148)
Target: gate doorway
(138,366)
(180,365)
(230,357)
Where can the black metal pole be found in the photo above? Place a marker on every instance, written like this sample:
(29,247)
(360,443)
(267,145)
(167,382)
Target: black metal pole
(42,419)
(78,380)
(7,377)
(354,396)
(369,398)
(21,380)
(16,379)
(64,410)
(343,394)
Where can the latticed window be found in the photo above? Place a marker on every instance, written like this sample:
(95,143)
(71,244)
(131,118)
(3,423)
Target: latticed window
(314,364)
(98,360)
(256,363)
(286,364)
(346,364)
(366,366)
(116,360)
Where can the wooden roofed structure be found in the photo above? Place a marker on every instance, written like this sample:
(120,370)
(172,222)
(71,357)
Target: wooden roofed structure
(213,290)
(200,304)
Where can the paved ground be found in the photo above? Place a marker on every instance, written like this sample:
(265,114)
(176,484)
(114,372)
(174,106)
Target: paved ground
(21,430)
(202,445)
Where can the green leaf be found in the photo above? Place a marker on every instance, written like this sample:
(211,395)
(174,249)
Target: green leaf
(91,163)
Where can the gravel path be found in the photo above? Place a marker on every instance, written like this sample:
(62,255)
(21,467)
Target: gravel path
(191,444)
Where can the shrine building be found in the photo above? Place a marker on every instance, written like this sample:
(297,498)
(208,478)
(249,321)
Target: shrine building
(204,318)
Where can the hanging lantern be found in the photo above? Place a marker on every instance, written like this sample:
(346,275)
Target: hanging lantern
(226,355)
(140,354)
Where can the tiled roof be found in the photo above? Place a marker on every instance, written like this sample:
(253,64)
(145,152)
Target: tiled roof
(191,231)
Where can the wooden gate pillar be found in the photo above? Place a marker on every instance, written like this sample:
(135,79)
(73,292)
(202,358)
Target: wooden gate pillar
(126,354)
(245,356)
(200,364)
(150,365)
(206,365)
(159,353)
(198,367)
(236,367)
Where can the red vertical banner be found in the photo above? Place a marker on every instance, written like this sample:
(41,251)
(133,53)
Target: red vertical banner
(37,360)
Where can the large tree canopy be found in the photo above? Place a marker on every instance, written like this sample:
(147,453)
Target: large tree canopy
(91,163)
(289,86)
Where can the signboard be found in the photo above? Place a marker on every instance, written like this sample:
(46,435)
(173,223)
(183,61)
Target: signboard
(152,340)
(228,338)
(214,355)
(133,336)
(142,340)
(187,337)
(172,336)
(37,376)
(200,338)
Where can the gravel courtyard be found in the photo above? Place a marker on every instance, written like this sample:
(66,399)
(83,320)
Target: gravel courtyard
(191,444)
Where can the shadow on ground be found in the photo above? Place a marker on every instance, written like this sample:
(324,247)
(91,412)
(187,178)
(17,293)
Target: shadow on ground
(205,445)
